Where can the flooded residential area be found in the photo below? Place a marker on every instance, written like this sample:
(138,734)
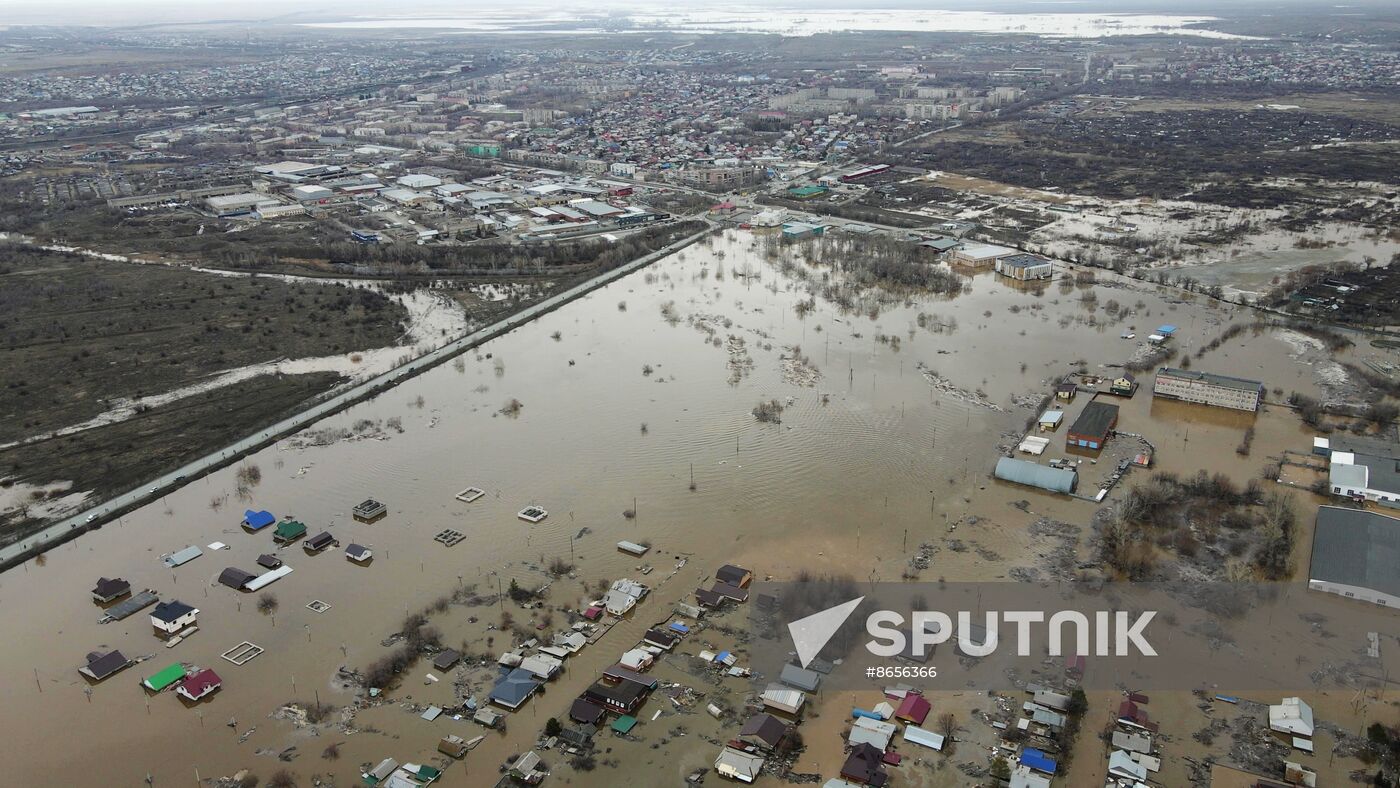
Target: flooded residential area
(629,415)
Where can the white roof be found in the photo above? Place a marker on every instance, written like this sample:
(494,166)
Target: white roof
(927,738)
(1053,700)
(1132,742)
(782,698)
(739,765)
(1292,716)
(984,250)
(873,732)
(1025,777)
(401,195)
(1033,444)
(541,665)
(636,658)
(1121,764)
(419,181)
(619,602)
(268,578)
(884,709)
(286,168)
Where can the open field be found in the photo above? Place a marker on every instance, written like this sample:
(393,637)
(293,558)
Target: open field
(1224,156)
(123,331)
(53,476)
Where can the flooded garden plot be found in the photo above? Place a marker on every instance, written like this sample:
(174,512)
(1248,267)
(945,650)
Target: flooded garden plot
(626,417)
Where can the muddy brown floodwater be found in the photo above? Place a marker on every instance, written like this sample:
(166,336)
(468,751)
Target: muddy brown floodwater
(872,456)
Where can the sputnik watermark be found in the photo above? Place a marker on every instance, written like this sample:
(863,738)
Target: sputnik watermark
(1270,638)
(932,627)
(1108,634)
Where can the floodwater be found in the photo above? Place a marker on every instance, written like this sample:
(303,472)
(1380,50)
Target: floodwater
(867,462)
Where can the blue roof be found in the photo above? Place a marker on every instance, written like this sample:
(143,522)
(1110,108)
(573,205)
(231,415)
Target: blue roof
(256,520)
(1167,329)
(1037,760)
(869,715)
(514,687)
(677,626)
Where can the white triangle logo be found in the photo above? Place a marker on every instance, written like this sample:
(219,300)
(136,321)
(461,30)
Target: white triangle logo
(810,634)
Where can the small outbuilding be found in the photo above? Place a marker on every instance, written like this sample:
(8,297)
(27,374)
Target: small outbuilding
(235,578)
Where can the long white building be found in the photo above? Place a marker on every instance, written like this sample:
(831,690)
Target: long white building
(1205,388)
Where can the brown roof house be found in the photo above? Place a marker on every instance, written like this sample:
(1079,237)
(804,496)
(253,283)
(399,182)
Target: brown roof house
(108,589)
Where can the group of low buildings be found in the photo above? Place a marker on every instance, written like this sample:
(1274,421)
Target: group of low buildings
(1097,421)
(429,202)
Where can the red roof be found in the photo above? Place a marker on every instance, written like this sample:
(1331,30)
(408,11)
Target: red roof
(914,709)
(201,683)
(593,613)
(893,758)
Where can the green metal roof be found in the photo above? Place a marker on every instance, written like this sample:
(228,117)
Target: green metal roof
(290,529)
(165,677)
(624,723)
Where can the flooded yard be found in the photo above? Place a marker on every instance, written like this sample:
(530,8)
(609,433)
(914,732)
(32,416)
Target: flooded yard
(628,415)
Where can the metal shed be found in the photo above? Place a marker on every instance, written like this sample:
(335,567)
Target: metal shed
(1060,480)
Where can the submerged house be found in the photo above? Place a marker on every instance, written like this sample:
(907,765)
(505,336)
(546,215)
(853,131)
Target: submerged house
(108,589)
(621,698)
(586,711)
(173,616)
(514,688)
(865,766)
(447,659)
(101,665)
(289,531)
(765,731)
(257,520)
(319,542)
(201,685)
(734,575)
(736,765)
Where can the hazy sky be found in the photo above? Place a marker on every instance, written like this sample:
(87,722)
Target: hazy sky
(144,12)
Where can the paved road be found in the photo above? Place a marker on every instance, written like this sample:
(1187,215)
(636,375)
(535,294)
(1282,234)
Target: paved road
(13,554)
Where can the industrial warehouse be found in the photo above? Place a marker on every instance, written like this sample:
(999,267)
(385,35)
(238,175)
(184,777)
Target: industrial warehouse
(1356,554)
